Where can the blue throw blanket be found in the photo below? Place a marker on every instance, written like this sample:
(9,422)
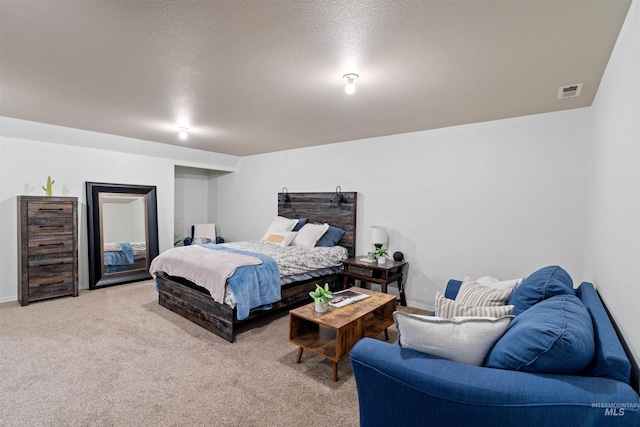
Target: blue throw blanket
(123,257)
(255,287)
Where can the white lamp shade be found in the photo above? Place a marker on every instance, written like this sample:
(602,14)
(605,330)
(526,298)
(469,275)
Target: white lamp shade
(379,235)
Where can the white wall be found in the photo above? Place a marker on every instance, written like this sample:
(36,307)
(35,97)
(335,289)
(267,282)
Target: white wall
(501,198)
(124,222)
(196,199)
(612,252)
(25,164)
(191,199)
(213,207)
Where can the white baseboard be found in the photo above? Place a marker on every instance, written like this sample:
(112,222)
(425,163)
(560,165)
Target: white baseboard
(393,290)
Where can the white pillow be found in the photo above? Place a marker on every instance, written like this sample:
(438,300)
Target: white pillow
(461,339)
(447,308)
(473,293)
(280,223)
(484,280)
(494,283)
(309,235)
(282,238)
(204,230)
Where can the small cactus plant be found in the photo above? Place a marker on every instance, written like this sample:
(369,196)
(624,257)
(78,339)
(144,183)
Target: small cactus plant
(47,189)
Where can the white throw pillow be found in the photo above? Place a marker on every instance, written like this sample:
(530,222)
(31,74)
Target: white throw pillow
(207,231)
(447,308)
(494,283)
(280,223)
(309,235)
(282,238)
(461,339)
(484,280)
(473,293)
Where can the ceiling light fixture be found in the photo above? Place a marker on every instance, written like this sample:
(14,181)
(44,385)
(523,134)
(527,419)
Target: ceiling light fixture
(350,87)
(183,133)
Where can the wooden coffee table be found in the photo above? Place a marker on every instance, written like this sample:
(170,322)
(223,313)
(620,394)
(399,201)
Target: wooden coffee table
(332,334)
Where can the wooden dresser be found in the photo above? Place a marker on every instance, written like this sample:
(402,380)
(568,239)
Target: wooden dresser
(48,246)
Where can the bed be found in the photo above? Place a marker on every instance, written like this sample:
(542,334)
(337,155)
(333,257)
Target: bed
(124,256)
(194,302)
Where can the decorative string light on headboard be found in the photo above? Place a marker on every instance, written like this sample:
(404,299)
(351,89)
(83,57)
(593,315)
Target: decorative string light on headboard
(284,197)
(337,197)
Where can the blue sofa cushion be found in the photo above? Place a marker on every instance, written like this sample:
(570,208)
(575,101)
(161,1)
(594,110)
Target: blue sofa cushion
(452,289)
(554,336)
(610,360)
(540,285)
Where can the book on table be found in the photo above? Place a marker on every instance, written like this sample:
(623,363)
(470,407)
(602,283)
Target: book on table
(346,297)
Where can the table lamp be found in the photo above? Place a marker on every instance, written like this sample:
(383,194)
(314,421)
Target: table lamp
(379,236)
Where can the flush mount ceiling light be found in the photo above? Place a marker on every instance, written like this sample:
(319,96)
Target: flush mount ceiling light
(183,133)
(350,87)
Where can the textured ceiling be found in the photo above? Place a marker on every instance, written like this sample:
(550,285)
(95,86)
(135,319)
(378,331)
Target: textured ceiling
(249,77)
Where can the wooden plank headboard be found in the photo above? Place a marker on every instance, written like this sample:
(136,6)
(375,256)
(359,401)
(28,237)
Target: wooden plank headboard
(318,207)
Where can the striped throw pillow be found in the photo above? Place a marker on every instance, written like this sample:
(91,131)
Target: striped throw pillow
(473,293)
(448,308)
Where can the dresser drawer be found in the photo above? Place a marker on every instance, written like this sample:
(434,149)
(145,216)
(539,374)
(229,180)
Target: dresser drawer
(50,225)
(48,281)
(42,209)
(51,261)
(50,244)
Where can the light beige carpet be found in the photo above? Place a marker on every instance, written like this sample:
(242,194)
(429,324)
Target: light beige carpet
(114,357)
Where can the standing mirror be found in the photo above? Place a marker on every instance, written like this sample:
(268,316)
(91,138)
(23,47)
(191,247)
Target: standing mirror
(123,232)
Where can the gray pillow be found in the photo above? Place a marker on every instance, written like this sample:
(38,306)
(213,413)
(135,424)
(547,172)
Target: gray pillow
(461,339)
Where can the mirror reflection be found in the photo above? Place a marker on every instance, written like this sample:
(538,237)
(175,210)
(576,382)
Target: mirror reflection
(124,233)
(122,223)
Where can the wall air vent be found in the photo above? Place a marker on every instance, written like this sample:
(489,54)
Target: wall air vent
(569,91)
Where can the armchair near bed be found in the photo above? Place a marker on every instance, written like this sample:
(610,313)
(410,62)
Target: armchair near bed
(559,363)
(202,234)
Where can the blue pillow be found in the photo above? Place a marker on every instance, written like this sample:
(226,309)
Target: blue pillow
(609,360)
(540,285)
(331,237)
(300,224)
(554,336)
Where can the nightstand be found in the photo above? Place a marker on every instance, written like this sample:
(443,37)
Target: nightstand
(372,272)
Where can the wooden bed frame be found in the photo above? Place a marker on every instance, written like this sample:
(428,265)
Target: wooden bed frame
(195,303)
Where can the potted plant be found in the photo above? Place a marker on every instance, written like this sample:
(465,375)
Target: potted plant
(381,254)
(321,296)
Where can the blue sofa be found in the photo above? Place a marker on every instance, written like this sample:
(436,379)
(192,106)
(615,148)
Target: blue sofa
(402,387)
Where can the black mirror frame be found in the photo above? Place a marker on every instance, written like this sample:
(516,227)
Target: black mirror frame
(96,279)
